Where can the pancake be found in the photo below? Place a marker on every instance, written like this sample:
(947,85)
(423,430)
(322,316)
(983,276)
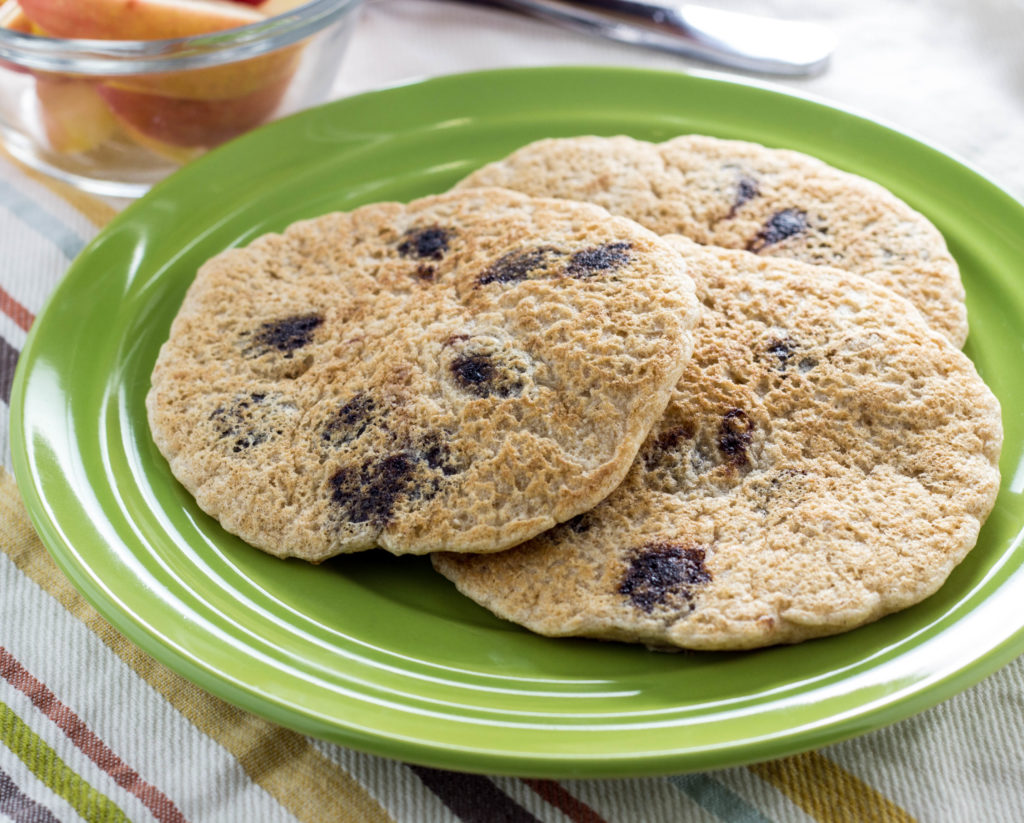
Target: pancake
(459,373)
(740,195)
(826,459)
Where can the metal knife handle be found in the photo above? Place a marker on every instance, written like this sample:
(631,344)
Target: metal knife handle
(743,41)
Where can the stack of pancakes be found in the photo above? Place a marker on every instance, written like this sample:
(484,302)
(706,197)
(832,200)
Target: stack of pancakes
(697,394)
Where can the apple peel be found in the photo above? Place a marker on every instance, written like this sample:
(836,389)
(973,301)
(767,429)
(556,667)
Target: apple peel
(137,19)
(182,122)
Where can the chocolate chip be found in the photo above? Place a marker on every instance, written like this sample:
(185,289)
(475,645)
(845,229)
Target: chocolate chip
(518,265)
(235,421)
(473,370)
(661,572)
(746,190)
(368,494)
(285,335)
(426,244)
(351,419)
(599,259)
(481,375)
(734,435)
(436,454)
(252,438)
(670,438)
(778,227)
(783,349)
(666,441)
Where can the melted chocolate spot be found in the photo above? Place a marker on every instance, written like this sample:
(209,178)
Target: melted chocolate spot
(666,441)
(235,421)
(436,455)
(252,438)
(426,244)
(516,266)
(473,371)
(778,227)
(734,435)
(369,493)
(597,260)
(478,374)
(350,420)
(746,190)
(783,349)
(285,335)
(670,438)
(661,572)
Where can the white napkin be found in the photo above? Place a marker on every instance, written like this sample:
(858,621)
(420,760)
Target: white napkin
(950,72)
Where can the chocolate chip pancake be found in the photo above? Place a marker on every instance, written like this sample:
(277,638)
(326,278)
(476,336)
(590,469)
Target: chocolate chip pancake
(460,373)
(827,458)
(740,195)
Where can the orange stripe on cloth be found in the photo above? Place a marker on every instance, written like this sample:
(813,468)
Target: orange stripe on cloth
(282,762)
(96,211)
(86,740)
(828,792)
(17,312)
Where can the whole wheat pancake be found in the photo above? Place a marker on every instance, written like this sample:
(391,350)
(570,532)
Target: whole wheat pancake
(826,459)
(745,196)
(458,373)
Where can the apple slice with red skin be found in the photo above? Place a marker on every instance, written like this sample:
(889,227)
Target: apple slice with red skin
(137,19)
(183,122)
(163,19)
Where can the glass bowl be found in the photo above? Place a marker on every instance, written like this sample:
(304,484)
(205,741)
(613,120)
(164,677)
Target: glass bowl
(113,116)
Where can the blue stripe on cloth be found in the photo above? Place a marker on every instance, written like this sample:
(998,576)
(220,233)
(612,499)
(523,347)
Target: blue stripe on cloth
(40,220)
(718,799)
(18,806)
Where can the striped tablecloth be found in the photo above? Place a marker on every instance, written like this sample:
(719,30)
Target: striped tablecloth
(92,728)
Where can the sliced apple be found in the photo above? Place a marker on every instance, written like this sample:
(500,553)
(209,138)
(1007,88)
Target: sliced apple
(182,122)
(176,154)
(217,82)
(13,17)
(137,19)
(73,115)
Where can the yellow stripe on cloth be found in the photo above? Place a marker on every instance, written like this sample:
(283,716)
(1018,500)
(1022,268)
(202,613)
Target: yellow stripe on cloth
(46,765)
(282,762)
(828,792)
(96,211)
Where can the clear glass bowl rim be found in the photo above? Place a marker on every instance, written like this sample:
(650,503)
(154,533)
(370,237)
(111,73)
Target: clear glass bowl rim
(128,57)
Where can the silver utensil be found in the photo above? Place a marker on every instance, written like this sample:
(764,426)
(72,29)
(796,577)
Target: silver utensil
(737,40)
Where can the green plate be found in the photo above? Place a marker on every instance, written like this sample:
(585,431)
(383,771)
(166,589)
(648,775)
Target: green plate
(378,652)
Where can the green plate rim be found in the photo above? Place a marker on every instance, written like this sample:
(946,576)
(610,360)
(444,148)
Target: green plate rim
(831,729)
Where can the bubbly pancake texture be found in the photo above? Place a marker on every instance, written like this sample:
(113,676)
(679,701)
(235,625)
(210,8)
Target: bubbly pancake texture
(459,373)
(740,195)
(826,459)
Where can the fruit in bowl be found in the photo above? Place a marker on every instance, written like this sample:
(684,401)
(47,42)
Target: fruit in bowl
(205,71)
